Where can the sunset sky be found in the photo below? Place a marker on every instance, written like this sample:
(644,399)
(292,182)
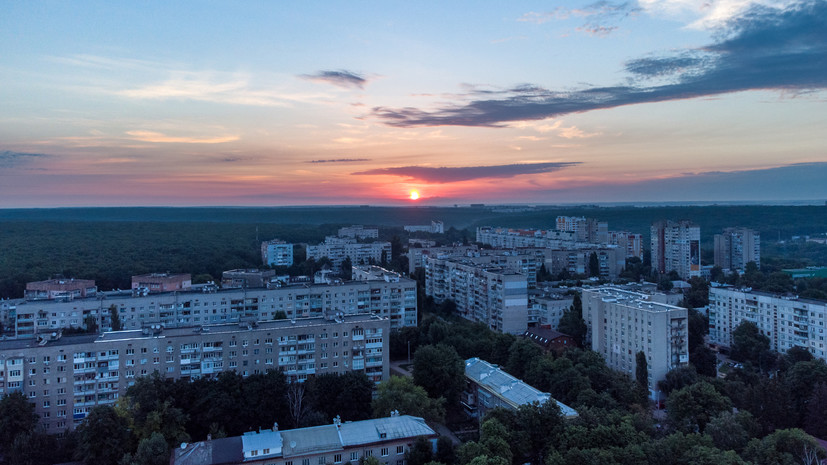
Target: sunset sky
(295,103)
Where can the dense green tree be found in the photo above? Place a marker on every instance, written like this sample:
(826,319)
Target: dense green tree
(815,420)
(439,370)
(347,395)
(770,402)
(748,344)
(346,269)
(642,377)
(692,407)
(16,417)
(420,453)
(494,437)
(103,437)
(401,394)
(445,451)
(468,451)
(522,353)
(594,265)
(731,431)
(151,451)
(115,318)
(90,324)
(785,447)
(571,322)
(33,448)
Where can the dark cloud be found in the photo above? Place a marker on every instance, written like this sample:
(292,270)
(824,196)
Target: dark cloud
(766,48)
(340,78)
(339,160)
(467,173)
(9,158)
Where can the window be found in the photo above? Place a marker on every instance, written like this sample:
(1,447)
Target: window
(322,460)
(354,456)
(337,458)
(305,461)
(400,449)
(368,452)
(384,452)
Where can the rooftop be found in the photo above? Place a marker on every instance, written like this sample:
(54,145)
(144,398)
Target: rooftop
(514,391)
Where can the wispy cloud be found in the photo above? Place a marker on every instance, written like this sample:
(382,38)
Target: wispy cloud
(151,136)
(9,158)
(467,173)
(339,160)
(601,17)
(765,48)
(340,78)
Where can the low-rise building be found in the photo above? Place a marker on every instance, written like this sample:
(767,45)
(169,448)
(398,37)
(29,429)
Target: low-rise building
(65,377)
(64,289)
(490,387)
(549,339)
(336,249)
(622,323)
(788,321)
(161,282)
(512,238)
(387,439)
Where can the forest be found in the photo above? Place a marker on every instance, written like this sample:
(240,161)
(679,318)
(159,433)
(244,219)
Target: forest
(110,245)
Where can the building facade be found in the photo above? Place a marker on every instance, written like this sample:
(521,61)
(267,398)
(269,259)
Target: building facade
(676,246)
(240,279)
(488,294)
(65,377)
(513,238)
(630,242)
(395,299)
(276,253)
(547,309)
(611,261)
(161,282)
(63,289)
(386,439)
(736,247)
(336,249)
(358,231)
(787,321)
(623,323)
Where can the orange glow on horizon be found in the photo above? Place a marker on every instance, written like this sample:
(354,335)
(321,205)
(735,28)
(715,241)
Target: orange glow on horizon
(414,195)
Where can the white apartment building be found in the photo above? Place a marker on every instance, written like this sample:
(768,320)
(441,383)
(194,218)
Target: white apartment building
(736,247)
(358,231)
(336,249)
(276,253)
(676,245)
(66,377)
(486,293)
(417,255)
(630,242)
(786,321)
(394,299)
(512,238)
(623,323)
(548,309)
(584,229)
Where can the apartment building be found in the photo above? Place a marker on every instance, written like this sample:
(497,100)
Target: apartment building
(584,229)
(490,387)
(611,261)
(63,289)
(622,323)
(547,309)
(630,242)
(436,227)
(736,247)
(787,321)
(358,231)
(276,253)
(65,377)
(676,245)
(513,238)
(161,282)
(395,299)
(489,294)
(386,439)
(336,249)
(417,255)
(246,278)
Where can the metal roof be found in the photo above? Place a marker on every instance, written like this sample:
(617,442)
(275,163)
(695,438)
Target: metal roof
(512,390)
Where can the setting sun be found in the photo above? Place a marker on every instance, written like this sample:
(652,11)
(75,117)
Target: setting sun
(414,195)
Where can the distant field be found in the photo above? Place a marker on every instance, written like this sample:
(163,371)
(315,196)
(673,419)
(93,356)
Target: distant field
(111,244)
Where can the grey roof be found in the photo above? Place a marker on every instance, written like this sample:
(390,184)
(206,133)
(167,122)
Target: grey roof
(369,431)
(310,440)
(215,452)
(508,388)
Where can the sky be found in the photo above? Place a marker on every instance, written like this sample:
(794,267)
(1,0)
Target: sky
(300,103)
